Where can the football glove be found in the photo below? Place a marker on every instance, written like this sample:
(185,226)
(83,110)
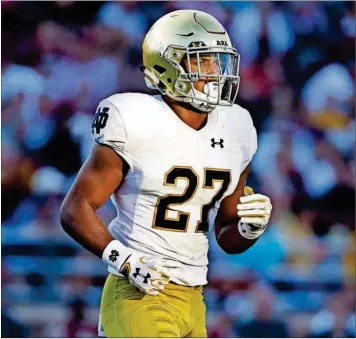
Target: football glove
(144,272)
(254,212)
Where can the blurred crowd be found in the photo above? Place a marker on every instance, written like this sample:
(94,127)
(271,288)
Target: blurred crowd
(60,58)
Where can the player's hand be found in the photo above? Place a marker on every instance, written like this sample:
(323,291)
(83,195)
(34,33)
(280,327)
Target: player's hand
(254,212)
(144,272)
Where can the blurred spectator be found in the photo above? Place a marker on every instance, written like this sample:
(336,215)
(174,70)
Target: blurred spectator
(77,326)
(265,323)
(222,327)
(307,18)
(60,151)
(74,325)
(10,328)
(349,261)
(211,7)
(25,81)
(336,319)
(332,81)
(15,179)
(126,18)
(45,225)
(256,20)
(66,54)
(79,124)
(348,23)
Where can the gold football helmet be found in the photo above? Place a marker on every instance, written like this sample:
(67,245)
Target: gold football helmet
(192,35)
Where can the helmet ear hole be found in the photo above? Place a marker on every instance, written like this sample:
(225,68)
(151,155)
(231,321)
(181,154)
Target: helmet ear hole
(159,69)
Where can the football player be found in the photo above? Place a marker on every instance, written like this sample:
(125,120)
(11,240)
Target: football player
(175,166)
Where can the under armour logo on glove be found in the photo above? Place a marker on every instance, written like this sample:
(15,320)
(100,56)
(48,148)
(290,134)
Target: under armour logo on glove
(254,211)
(220,143)
(145,277)
(113,256)
(134,265)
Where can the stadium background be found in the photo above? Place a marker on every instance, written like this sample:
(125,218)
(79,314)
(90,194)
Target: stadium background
(298,72)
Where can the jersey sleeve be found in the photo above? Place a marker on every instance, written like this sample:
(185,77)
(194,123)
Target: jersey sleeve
(108,128)
(251,142)
(253,145)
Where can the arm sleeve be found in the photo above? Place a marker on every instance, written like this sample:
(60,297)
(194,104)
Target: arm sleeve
(108,129)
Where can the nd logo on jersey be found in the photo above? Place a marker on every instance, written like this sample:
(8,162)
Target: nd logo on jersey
(100,120)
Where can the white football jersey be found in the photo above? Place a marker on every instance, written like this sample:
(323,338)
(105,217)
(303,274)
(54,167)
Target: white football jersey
(178,176)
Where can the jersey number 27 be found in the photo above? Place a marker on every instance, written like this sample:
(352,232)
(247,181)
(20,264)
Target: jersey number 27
(180,224)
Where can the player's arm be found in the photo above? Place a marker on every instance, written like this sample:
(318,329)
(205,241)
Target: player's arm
(98,178)
(234,234)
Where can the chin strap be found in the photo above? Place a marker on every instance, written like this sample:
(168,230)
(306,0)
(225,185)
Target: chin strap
(209,95)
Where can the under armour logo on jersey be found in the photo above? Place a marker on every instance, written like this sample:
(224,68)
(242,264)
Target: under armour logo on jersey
(100,120)
(145,277)
(113,256)
(220,143)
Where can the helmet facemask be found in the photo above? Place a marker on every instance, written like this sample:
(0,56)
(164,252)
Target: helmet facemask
(218,66)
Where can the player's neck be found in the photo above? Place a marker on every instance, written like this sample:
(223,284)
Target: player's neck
(193,119)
